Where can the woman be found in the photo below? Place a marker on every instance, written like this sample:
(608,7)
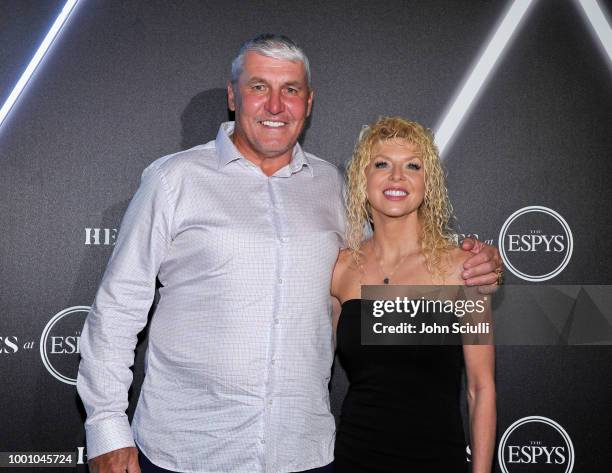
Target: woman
(402,411)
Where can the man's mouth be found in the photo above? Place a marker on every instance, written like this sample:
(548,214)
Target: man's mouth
(272,123)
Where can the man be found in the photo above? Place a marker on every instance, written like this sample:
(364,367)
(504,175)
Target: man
(243,233)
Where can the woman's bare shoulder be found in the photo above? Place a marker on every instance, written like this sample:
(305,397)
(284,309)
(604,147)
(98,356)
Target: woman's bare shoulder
(455,259)
(345,273)
(346,261)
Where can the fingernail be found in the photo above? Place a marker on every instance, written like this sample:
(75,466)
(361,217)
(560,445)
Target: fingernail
(466,274)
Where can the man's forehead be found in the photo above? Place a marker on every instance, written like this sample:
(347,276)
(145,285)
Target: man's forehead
(269,68)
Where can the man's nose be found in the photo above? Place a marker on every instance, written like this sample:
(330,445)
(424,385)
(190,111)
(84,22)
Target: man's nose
(274,105)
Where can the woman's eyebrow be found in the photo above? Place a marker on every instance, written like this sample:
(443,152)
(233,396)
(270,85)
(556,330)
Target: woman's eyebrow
(379,155)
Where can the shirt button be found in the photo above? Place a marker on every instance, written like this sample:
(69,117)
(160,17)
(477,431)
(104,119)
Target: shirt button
(262,441)
(276,321)
(280,281)
(284,239)
(273,362)
(270,402)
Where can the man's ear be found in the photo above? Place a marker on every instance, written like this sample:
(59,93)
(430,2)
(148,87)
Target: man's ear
(309,105)
(231,97)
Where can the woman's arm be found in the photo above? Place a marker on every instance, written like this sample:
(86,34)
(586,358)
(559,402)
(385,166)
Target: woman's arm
(480,369)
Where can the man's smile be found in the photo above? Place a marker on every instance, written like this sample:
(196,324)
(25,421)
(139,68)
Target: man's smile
(272,123)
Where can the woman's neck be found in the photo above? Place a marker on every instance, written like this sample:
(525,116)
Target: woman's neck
(395,238)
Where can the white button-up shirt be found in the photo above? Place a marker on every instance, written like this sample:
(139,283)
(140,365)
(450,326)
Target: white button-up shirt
(240,346)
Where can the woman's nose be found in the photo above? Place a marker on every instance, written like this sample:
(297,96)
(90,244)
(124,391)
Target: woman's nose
(397,173)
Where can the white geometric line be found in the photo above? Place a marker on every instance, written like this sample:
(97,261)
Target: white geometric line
(599,23)
(479,74)
(38,56)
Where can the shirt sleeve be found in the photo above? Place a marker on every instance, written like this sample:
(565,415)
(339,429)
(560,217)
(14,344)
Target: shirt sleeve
(119,313)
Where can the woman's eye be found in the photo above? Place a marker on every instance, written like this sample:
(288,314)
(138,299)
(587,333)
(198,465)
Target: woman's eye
(414,166)
(380,164)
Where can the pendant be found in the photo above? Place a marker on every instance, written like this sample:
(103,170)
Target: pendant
(386,280)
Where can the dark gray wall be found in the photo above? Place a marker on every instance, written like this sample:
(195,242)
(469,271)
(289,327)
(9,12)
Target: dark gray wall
(127,82)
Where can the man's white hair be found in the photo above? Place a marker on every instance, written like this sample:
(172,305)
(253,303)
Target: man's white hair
(271,45)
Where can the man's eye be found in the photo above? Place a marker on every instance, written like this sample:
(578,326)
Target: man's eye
(292,90)
(259,87)
(380,164)
(414,166)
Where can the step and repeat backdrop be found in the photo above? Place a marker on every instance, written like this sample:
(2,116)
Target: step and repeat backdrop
(518,92)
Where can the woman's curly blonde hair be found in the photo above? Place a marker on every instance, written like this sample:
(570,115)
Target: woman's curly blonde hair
(435,212)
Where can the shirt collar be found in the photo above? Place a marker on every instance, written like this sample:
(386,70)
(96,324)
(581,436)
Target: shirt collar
(227,153)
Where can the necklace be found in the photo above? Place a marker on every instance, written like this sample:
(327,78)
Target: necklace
(386,278)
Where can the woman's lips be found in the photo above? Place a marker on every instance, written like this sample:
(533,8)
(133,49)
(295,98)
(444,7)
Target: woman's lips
(395,194)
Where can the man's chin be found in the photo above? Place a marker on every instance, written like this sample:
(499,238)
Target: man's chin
(274,150)
(275,153)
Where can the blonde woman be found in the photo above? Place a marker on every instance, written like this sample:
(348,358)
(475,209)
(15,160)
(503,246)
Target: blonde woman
(402,411)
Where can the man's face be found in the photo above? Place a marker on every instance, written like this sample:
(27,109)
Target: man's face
(271,101)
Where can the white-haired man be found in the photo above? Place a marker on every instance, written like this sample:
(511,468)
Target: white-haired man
(243,233)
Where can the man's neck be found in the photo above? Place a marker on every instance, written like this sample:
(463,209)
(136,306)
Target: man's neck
(268,164)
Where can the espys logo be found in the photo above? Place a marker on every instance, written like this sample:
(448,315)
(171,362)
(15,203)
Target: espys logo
(536,243)
(535,444)
(59,343)
(9,345)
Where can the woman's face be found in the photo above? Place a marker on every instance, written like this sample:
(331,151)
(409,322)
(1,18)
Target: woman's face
(395,179)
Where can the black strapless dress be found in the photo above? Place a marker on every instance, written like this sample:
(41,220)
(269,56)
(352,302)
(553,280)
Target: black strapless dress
(402,409)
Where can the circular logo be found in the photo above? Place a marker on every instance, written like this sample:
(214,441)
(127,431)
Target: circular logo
(536,243)
(535,444)
(59,343)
